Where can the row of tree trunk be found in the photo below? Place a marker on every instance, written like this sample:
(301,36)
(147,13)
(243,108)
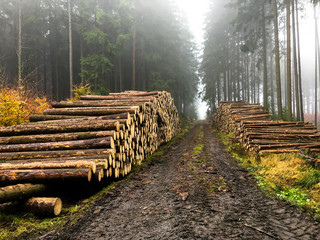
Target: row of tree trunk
(257,132)
(94,138)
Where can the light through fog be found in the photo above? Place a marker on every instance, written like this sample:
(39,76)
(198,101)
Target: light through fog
(195,12)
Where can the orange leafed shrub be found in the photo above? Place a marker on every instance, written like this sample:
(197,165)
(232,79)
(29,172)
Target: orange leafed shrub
(15,110)
(35,106)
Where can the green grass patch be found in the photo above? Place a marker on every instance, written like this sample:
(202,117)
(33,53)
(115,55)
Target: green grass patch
(198,148)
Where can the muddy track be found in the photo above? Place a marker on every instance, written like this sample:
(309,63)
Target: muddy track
(191,195)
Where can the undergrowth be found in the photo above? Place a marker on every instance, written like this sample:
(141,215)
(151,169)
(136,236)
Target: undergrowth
(17,105)
(285,176)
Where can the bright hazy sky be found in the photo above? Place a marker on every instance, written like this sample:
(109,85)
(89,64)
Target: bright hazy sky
(195,11)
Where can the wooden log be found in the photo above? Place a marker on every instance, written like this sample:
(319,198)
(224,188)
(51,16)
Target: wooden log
(66,118)
(44,206)
(55,154)
(40,138)
(38,117)
(36,175)
(75,104)
(106,142)
(92,111)
(60,128)
(20,191)
(54,164)
(288,150)
(127,97)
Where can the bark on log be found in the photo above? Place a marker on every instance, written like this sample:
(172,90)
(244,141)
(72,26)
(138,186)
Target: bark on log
(64,118)
(44,174)
(44,206)
(94,111)
(60,128)
(20,191)
(38,118)
(56,137)
(55,154)
(126,97)
(86,163)
(106,142)
(70,104)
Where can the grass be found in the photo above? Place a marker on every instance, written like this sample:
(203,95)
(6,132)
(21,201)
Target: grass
(198,148)
(23,225)
(285,176)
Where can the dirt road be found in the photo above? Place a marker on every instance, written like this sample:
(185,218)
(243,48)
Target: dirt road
(195,191)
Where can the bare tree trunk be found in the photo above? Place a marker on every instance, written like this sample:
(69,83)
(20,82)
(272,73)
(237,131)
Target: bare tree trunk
(295,62)
(120,74)
(272,85)
(289,96)
(81,57)
(265,75)
(19,49)
(277,59)
(70,49)
(316,68)
(299,64)
(134,56)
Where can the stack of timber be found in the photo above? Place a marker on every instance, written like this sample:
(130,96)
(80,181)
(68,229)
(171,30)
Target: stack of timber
(94,138)
(257,132)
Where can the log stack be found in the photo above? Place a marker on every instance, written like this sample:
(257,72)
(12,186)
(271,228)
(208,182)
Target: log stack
(93,138)
(257,132)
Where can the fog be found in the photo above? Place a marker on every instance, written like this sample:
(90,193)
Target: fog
(195,12)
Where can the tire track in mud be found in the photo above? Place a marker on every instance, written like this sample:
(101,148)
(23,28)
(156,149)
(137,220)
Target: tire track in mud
(183,195)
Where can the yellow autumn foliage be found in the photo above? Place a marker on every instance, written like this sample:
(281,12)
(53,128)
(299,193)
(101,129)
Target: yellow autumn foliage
(80,90)
(16,109)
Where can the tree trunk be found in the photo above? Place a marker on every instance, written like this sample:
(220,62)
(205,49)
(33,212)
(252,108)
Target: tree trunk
(134,55)
(316,68)
(277,59)
(299,64)
(295,62)
(265,74)
(70,50)
(19,48)
(289,92)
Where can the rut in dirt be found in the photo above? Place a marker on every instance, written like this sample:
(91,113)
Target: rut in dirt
(190,195)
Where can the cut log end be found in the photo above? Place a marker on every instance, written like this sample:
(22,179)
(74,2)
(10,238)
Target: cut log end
(44,206)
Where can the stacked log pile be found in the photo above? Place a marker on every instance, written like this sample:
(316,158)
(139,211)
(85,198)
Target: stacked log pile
(257,132)
(94,138)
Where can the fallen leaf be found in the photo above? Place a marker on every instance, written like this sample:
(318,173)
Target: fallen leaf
(183,196)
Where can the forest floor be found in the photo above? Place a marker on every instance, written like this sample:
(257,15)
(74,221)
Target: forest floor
(196,190)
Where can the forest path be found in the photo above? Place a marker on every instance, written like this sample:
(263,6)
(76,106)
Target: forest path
(194,191)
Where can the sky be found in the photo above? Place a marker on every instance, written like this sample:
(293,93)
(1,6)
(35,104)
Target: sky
(195,11)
